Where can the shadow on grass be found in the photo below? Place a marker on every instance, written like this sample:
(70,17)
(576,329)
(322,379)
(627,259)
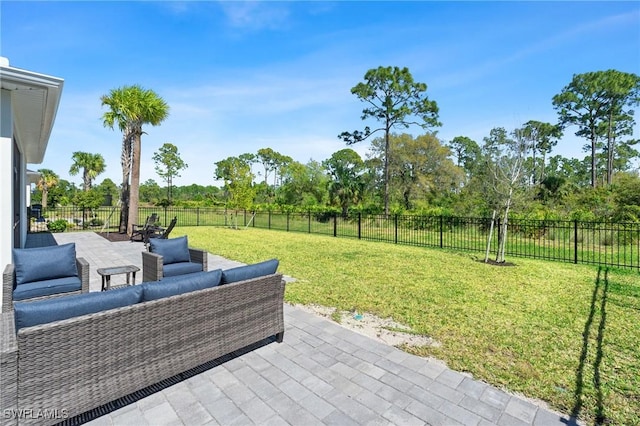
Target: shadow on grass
(598,297)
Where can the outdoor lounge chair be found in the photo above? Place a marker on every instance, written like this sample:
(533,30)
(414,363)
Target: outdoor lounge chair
(43,273)
(171,257)
(140,231)
(159,232)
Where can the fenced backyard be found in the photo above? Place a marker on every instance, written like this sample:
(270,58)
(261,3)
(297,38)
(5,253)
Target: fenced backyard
(572,241)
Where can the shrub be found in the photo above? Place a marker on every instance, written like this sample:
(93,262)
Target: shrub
(59,225)
(96,222)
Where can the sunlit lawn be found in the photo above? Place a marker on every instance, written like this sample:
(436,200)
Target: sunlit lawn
(565,334)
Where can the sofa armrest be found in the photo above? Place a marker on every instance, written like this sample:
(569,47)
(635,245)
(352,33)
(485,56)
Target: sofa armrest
(199,256)
(8,366)
(83,273)
(151,266)
(7,287)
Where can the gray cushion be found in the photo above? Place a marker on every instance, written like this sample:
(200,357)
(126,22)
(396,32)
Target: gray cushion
(47,288)
(247,272)
(172,250)
(180,284)
(44,263)
(181,268)
(28,314)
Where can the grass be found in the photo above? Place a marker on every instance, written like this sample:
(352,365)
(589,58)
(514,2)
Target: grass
(565,334)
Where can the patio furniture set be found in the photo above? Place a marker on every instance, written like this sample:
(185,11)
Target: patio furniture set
(57,357)
(150,229)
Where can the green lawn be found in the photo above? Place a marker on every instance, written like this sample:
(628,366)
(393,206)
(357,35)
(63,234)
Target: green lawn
(566,334)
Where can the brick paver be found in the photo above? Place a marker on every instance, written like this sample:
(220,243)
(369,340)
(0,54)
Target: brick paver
(321,374)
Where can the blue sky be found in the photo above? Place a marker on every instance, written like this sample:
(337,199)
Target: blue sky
(240,76)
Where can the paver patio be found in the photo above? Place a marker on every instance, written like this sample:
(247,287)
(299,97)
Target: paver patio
(322,373)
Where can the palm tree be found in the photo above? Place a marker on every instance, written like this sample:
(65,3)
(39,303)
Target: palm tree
(129,108)
(91,164)
(48,179)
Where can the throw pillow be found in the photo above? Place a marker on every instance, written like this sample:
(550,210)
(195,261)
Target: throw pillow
(180,284)
(172,250)
(248,272)
(43,263)
(28,314)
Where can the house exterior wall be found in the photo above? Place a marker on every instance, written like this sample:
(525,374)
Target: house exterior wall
(28,106)
(7,201)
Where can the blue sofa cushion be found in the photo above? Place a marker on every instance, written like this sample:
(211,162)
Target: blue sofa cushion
(247,272)
(181,268)
(180,284)
(44,263)
(28,314)
(47,288)
(172,250)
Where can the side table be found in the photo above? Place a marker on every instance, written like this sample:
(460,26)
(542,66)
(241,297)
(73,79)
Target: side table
(106,274)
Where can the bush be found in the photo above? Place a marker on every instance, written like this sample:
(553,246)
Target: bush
(59,225)
(96,222)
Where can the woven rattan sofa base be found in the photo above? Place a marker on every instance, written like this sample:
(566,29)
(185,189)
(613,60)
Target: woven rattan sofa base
(72,366)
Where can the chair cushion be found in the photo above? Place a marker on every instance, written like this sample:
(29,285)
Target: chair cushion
(172,250)
(180,284)
(43,263)
(28,314)
(181,268)
(47,288)
(247,272)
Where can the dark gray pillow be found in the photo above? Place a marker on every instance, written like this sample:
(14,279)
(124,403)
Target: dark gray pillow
(172,250)
(180,284)
(43,263)
(28,314)
(247,272)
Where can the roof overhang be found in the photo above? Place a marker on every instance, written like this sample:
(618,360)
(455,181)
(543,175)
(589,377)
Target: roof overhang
(33,177)
(34,103)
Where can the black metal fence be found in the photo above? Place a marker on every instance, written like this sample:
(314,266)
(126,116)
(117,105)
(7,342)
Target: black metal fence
(598,243)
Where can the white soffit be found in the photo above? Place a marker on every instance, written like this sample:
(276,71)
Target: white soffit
(34,100)
(33,177)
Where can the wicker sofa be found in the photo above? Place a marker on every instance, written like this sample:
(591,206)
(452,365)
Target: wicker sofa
(74,365)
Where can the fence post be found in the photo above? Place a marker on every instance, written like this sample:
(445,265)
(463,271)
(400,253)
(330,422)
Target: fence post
(575,241)
(269,226)
(197,216)
(441,230)
(395,222)
(335,224)
(359,225)
(309,221)
(288,221)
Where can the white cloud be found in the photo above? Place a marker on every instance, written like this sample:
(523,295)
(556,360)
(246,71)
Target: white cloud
(255,15)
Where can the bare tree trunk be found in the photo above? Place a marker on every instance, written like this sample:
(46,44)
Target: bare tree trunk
(503,241)
(593,158)
(134,191)
(125,161)
(493,219)
(610,149)
(386,172)
(45,193)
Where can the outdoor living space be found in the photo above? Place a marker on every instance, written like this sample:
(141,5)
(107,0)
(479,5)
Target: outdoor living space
(323,373)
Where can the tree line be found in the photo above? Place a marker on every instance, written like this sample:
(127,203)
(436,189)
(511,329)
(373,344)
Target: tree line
(508,171)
